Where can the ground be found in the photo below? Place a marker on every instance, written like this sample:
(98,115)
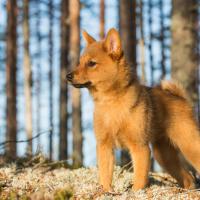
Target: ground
(37,179)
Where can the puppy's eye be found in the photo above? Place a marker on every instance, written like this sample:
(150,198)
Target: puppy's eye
(91,63)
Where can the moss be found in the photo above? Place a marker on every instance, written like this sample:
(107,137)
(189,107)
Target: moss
(13,195)
(24,197)
(63,194)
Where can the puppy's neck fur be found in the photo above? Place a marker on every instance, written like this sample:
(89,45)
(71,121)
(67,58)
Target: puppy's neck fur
(124,82)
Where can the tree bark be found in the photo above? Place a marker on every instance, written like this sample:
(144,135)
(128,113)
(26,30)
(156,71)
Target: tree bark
(142,44)
(127,25)
(64,63)
(11,90)
(162,40)
(38,80)
(151,60)
(76,95)
(51,77)
(184,55)
(102,19)
(27,76)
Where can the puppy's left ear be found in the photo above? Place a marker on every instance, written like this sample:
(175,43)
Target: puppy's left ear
(88,38)
(112,44)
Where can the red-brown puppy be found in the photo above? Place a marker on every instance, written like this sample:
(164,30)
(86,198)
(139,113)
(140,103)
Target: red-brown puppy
(131,115)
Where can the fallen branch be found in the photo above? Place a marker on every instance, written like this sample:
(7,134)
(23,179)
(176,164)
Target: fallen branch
(27,140)
(124,167)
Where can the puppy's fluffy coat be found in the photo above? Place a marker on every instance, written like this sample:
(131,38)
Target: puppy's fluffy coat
(130,115)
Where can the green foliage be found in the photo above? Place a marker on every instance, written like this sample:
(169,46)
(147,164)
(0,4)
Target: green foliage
(64,194)
(13,196)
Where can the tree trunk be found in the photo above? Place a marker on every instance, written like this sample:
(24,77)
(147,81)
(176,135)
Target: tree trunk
(102,19)
(27,76)
(76,95)
(184,56)
(51,77)
(150,19)
(162,40)
(11,61)
(127,24)
(142,45)
(38,80)
(64,63)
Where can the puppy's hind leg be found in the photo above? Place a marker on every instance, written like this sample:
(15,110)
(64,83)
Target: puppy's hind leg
(167,156)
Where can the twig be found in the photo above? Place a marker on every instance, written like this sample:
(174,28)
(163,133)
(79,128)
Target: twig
(124,167)
(27,140)
(51,165)
(130,168)
(99,191)
(34,159)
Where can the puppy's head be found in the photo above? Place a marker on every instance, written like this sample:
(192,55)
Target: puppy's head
(99,62)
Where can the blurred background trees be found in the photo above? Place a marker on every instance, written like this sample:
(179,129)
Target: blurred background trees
(40,41)
(184,48)
(127,28)
(11,72)
(64,67)
(27,75)
(77,154)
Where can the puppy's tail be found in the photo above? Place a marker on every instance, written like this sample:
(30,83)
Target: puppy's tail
(174,88)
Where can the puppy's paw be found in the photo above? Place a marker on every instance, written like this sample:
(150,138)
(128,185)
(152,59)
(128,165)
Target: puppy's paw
(108,189)
(189,181)
(103,190)
(139,186)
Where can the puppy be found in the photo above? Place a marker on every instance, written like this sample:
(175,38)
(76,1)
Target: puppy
(130,115)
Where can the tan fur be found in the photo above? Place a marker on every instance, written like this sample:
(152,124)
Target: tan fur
(132,116)
(174,88)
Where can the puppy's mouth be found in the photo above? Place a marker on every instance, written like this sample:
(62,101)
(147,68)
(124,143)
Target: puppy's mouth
(82,85)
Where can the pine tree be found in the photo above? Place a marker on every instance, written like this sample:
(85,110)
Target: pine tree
(27,75)
(64,64)
(142,44)
(76,94)
(184,57)
(11,84)
(51,46)
(127,25)
(102,19)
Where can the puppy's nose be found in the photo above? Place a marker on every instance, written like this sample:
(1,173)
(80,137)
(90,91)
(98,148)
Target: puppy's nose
(69,76)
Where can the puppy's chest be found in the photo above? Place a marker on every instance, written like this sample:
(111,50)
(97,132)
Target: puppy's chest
(114,119)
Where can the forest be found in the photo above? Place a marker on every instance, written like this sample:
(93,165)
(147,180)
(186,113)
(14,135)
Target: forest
(46,125)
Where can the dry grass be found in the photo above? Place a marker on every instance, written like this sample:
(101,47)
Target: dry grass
(46,181)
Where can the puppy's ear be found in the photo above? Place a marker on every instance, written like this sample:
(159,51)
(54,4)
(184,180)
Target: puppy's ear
(112,43)
(88,38)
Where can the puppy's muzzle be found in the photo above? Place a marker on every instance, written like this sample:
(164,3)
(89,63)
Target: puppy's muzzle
(70,77)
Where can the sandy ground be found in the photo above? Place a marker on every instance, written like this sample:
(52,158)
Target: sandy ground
(39,181)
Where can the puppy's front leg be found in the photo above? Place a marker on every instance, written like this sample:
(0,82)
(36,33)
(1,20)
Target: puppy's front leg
(141,159)
(105,164)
